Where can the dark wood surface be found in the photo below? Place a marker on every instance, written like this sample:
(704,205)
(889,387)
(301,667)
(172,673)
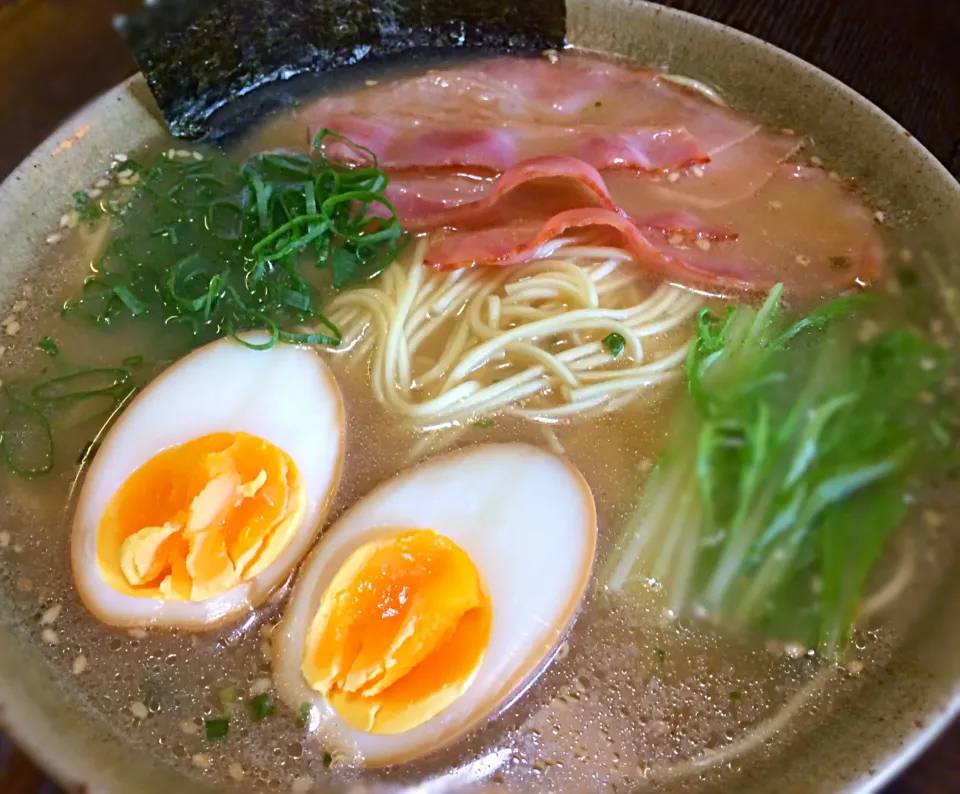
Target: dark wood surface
(55,55)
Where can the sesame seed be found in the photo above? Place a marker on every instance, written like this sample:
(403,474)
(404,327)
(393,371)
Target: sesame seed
(120,158)
(551,55)
(802,260)
(4,539)
(137,634)
(49,617)
(12,327)
(185,154)
(775,205)
(370,82)
(197,156)
(190,728)
(933,518)
(65,220)
(698,172)
(53,238)
(102,183)
(928,364)
(201,760)
(50,637)
(879,217)
(261,686)
(235,770)
(816,161)
(79,664)
(139,710)
(94,193)
(788,131)
(171,154)
(794,650)
(126,173)
(703,245)
(834,176)
(676,240)
(855,667)
(673,177)
(301,785)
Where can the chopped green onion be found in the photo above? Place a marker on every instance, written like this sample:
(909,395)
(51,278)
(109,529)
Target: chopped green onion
(221,248)
(327,760)
(81,385)
(615,343)
(483,424)
(48,346)
(217,728)
(85,207)
(261,706)
(303,715)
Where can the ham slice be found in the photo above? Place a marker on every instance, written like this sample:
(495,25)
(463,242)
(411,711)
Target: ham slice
(495,113)
(802,229)
(401,144)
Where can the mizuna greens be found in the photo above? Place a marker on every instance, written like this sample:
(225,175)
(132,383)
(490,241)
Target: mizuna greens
(786,471)
(220,247)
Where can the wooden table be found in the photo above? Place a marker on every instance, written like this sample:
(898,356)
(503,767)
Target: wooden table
(55,55)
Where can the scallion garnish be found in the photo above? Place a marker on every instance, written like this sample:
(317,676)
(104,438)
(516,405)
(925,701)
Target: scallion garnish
(261,706)
(303,715)
(615,343)
(222,248)
(48,346)
(217,728)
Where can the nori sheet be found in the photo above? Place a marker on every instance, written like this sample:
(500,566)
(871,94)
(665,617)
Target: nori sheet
(199,55)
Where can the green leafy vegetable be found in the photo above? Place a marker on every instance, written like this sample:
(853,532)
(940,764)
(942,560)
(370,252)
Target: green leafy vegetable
(48,346)
(615,343)
(221,248)
(786,471)
(217,728)
(261,706)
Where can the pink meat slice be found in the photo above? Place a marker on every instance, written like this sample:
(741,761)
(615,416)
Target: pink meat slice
(494,113)
(402,144)
(802,229)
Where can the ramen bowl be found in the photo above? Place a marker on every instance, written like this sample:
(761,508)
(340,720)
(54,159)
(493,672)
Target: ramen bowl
(853,732)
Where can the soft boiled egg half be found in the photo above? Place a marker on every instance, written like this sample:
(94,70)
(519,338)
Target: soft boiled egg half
(435,599)
(210,487)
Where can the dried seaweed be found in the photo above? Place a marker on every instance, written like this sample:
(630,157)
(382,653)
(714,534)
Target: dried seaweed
(198,55)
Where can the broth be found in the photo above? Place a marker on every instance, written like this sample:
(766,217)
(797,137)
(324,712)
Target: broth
(633,694)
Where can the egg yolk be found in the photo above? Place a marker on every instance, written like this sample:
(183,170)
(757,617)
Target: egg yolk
(199,518)
(400,632)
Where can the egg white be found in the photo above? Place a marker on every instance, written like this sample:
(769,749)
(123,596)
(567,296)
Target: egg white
(527,520)
(285,395)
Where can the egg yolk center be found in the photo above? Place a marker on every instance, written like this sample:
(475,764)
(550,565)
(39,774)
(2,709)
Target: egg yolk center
(200,518)
(400,632)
